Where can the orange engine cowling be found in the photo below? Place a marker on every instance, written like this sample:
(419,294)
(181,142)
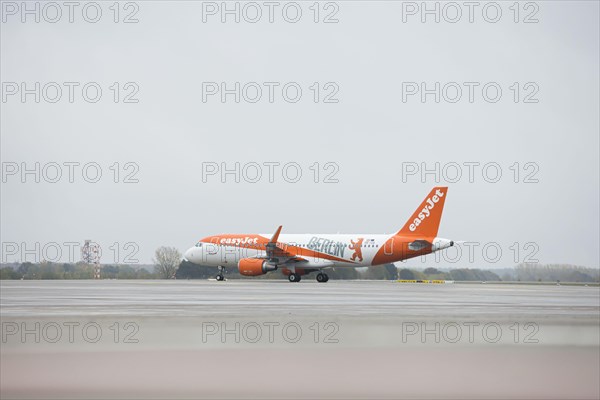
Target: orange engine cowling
(255,266)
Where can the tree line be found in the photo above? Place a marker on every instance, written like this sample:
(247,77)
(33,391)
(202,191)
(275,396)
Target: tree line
(168,264)
(47,270)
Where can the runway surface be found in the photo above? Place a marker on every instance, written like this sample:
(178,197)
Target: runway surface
(250,338)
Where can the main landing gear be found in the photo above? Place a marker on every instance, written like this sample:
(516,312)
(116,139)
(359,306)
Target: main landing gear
(221,274)
(321,277)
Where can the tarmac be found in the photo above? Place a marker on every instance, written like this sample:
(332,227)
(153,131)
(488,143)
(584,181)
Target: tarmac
(275,339)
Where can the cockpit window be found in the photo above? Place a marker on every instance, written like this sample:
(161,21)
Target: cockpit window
(199,244)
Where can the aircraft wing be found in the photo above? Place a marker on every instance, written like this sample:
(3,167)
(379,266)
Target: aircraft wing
(276,251)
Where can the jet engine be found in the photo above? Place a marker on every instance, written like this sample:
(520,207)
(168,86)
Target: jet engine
(255,266)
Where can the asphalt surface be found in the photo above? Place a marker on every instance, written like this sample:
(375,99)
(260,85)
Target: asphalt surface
(250,338)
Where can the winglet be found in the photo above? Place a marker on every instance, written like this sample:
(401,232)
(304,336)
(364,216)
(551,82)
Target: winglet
(276,235)
(271,247)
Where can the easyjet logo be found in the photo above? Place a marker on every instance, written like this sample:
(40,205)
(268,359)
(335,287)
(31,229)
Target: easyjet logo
(426,211)
(239,241)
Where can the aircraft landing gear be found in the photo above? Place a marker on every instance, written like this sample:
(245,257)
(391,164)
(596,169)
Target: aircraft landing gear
(321,277)
(221,274)
(294,278)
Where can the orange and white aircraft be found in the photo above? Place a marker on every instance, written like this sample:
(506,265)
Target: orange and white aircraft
(300,254)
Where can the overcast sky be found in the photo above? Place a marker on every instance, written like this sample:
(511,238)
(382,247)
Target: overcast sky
(371,62)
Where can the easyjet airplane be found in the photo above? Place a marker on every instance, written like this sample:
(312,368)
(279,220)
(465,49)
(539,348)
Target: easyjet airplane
(299,254)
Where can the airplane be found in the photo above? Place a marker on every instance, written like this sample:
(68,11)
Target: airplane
(300,254)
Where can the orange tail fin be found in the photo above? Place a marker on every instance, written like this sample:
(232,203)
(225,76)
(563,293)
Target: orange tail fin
(425,221)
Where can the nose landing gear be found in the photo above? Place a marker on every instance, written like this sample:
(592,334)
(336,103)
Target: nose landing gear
(221,275)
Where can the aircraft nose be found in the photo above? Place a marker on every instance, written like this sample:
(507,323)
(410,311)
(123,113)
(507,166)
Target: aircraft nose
(189,254)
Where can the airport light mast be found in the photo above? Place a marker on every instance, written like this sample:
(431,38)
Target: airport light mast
(90,254)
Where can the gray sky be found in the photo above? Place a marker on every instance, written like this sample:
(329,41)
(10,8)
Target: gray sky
(372,58)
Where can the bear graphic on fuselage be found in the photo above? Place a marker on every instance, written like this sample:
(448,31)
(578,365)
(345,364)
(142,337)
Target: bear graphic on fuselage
(356,246)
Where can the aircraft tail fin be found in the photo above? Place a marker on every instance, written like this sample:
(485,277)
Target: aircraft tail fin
(425,221)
